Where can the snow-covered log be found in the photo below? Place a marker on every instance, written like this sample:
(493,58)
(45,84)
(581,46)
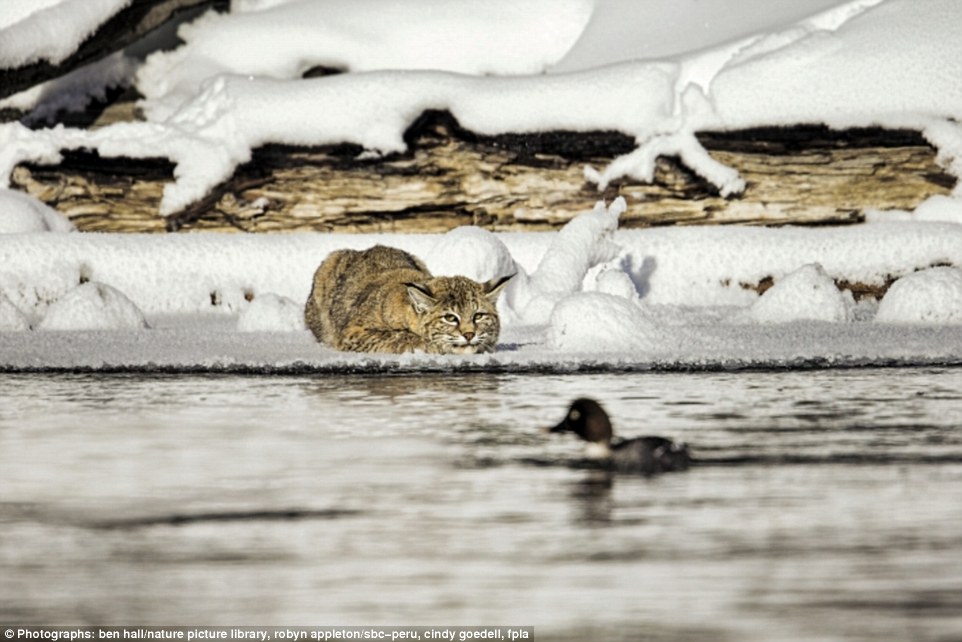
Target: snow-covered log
(122,28)
(451,177)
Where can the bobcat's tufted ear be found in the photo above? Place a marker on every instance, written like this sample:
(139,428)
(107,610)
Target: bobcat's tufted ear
(421,296)
(493,287)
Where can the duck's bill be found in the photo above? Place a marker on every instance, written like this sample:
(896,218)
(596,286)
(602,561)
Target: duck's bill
(562,427)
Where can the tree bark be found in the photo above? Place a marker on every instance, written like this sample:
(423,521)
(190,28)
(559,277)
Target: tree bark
(124,28)
(451,177)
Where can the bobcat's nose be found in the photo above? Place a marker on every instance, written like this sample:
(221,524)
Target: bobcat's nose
(467,336)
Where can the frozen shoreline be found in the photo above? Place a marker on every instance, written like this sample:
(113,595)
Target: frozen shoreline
(205,350)
(586,297)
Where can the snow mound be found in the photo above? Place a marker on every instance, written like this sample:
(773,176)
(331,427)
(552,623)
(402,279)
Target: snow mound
(472,252)
(935,209)
(11,318)
(93,306)
(939,208)
(614,281)
(586,241)
(593,322)
(928,296)
(271,313)
(22,214)
(807,294)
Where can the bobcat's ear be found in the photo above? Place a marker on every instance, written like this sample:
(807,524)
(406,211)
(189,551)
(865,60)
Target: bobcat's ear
(421,297)
(493,287)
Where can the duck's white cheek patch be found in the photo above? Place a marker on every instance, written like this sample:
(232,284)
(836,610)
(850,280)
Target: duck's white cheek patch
(597,451)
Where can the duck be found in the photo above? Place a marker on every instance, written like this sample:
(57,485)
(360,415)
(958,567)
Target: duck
(643,455)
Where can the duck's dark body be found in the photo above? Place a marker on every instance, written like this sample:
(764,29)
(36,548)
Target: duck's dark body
(649,455)
(645,455)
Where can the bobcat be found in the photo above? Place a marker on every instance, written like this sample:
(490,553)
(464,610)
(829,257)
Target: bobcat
(385,300)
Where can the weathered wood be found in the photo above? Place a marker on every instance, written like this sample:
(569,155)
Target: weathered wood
(450,177)
(124,28)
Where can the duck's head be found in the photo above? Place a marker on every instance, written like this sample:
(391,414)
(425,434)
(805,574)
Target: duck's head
(587,419)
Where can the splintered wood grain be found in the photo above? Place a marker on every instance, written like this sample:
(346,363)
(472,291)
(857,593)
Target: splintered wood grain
(451,178)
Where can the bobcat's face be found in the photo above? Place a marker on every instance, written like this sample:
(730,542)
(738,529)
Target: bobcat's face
(464,330)
(458,315)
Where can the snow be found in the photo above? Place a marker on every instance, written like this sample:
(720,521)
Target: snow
(582,244)
(47,31)
(808,293)
(935,208)
(93,306)
(472,252)
(599,323)
(709,265)
(498,37)
(833,75)
(11,318)
(20,214)
(74,91)
(13,12)
(271,312)
(618,31)
(640,164)
(928,296)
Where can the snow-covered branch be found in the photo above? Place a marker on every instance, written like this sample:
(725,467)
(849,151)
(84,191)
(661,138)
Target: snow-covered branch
(58,39)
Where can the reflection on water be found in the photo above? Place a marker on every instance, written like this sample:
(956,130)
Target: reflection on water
(825,505)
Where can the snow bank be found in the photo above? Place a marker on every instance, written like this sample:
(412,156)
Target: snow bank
(42,30)
(588,296)
(691,266)
(721,266)
(93,306)
(270,312)
(622,30)
(807,294)
(864,63)
(928,296)
(20,214)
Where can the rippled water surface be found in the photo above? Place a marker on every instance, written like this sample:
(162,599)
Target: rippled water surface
(827,504)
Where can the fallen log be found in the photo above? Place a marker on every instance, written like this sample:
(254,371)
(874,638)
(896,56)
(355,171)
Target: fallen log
(125,27)
(450,177)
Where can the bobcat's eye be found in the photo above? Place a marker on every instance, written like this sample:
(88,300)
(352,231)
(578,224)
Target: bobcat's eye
(479,316)
(451,318)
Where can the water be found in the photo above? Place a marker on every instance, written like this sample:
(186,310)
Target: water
(828,505)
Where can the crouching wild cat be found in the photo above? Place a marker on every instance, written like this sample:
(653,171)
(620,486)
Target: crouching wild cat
(385,300)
